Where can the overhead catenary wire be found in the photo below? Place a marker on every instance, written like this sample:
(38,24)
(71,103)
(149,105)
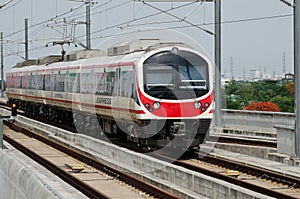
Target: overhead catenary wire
(137,19)
(203,24)
(174,27)
(131,23)
(181,19)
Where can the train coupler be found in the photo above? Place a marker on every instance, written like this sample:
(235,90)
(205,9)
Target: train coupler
(178,129)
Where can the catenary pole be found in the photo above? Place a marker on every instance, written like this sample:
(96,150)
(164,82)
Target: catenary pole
(26,39)
(297,73)
(2,72)
(88,25)
(218,100)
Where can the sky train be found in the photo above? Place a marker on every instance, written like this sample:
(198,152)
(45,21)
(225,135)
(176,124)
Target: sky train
(150,92)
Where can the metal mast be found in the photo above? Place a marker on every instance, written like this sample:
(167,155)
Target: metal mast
(26,39)
(297,72)
(2,72)
(88,25)
(218,101)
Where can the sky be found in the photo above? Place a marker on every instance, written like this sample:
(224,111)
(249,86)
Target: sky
(256,34)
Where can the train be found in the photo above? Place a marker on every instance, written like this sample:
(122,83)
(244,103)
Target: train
(147,91)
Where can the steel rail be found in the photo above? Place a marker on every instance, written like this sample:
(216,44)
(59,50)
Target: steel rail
(128,179)
(73,181)
(235,181)
(243,141)
(291,181)
(251,170)
(256,171)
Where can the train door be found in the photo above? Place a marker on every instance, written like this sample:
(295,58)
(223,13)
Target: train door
(125,92)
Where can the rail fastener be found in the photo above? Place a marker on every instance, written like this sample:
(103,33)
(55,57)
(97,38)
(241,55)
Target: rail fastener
(233,173)
(76,168)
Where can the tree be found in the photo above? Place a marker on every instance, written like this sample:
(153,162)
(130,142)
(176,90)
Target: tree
(262,106)
(284,103)
(239,94)
(290,87)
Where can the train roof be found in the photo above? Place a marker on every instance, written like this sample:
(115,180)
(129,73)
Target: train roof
(140,45)
(122,52)
(72,56)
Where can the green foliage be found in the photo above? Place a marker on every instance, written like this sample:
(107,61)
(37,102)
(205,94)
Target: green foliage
(240,94)
(284,103)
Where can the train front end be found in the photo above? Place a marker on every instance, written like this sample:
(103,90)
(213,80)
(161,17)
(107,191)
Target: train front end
(175,92)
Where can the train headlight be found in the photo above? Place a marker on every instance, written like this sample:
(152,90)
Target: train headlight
(156,105)
(175,51)
(197,105)
(147,105)
(206,104)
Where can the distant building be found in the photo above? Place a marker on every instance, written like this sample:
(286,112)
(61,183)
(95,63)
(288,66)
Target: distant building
(256,75)
(289,77)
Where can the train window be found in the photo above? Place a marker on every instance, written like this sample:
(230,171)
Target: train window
(191,77)
(48,82)
(20,81)
(73,83)
(29,81)
(110,79)
(159,75)
(175,76)
(44,88)
(126,83)
(39,82)
(101,84)
(24,82)
(59,82)
(87,83)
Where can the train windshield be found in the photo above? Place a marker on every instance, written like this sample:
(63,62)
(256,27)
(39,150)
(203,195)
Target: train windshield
(176,76)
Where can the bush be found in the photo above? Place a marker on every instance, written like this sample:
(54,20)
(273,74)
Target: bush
(262,106)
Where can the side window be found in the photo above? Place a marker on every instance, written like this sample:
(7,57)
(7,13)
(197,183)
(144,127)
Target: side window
(30,81)
(59,82)
(126,83)
(44,82)
(105,83)
(84,82)
(88,82)
(101,84)
(20,81)
(110,79)
(73,83)
(39,82)
(24,82)
(48,82)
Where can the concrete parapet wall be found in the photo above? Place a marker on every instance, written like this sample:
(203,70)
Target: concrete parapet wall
(254,151)
(16,181)
(185,183)
(257,121)
(286,139)
(181,181)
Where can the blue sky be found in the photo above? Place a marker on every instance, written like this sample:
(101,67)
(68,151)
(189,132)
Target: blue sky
(255,33)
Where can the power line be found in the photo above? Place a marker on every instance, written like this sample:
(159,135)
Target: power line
(127,23)
(190,26)
(174,27)
(138,19)
(7,7)
(181,19)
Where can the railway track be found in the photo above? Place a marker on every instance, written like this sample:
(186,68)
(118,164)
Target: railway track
(288,188)
(252,141)
(260,180)
(85,188)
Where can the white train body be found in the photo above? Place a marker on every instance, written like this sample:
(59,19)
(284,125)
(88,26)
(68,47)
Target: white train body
(154,81)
